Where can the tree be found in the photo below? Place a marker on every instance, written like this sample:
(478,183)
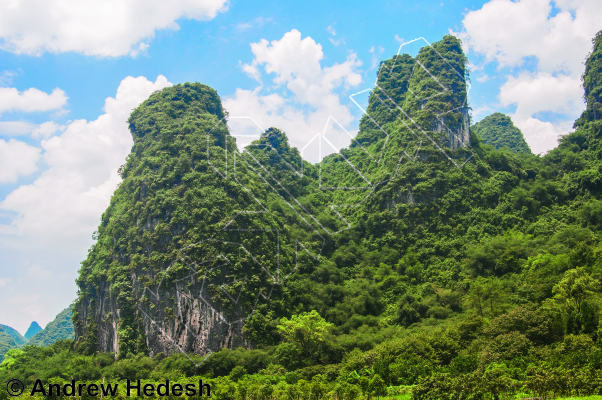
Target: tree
(377,387)
(573,291)
(306,330)
(496,380)
(575,287)
(486,293)
(10,357)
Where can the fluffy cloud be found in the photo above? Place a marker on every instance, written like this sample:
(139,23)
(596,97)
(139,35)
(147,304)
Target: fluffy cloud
(16,128)
(541,136)
(31,100)
(63,206)
(94,27)
(46,129)
(295,65)
(19,128)
(510,31)
(533,93)
(17,158)
(558,36)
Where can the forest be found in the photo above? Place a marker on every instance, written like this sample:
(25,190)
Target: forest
(451,271)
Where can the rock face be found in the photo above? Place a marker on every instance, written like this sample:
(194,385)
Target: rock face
(199,234)
(187,248)
(134,295)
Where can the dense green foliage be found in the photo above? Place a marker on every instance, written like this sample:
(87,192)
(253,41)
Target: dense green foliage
(60,328)
(18,338)
(592,84)
(6,343)
(474,282)
(498,130)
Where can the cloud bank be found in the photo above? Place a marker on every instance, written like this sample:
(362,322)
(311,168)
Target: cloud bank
(94,27)
(62,207)
(557,35)
(17,158)
(302,93)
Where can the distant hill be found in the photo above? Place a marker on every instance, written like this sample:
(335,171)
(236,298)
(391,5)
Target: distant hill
(60,328)
(18,338)
(6,343)
(33,329)
(498,130)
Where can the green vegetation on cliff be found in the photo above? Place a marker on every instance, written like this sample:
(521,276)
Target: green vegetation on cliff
(6,343)
(428,244)
(19,340)
(457,272)
(498,130)
(60,328)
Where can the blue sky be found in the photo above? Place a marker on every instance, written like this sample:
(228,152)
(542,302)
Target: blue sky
(70,75)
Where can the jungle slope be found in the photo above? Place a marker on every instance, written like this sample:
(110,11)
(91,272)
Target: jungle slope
(465,270)
(498,130)
(58,329)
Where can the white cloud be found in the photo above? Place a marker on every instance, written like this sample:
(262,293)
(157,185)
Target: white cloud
(533,93)
(17,158)
(376,53)
(47,129)
(19,128)
(4,282)
(476,112)
(7,230)
(63,206)
(482,78)
(16,128)
(295,63)
(31,100)
(95,27)
(337,42)
(511,32)
(6,77)
(330,29)
(541,136)
(252,71)
(255,23)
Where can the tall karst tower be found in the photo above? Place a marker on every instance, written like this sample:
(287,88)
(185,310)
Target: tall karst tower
(201,233)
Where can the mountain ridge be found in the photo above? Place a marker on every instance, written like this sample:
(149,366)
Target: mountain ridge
(18,338)
(58,329)
(34,328)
